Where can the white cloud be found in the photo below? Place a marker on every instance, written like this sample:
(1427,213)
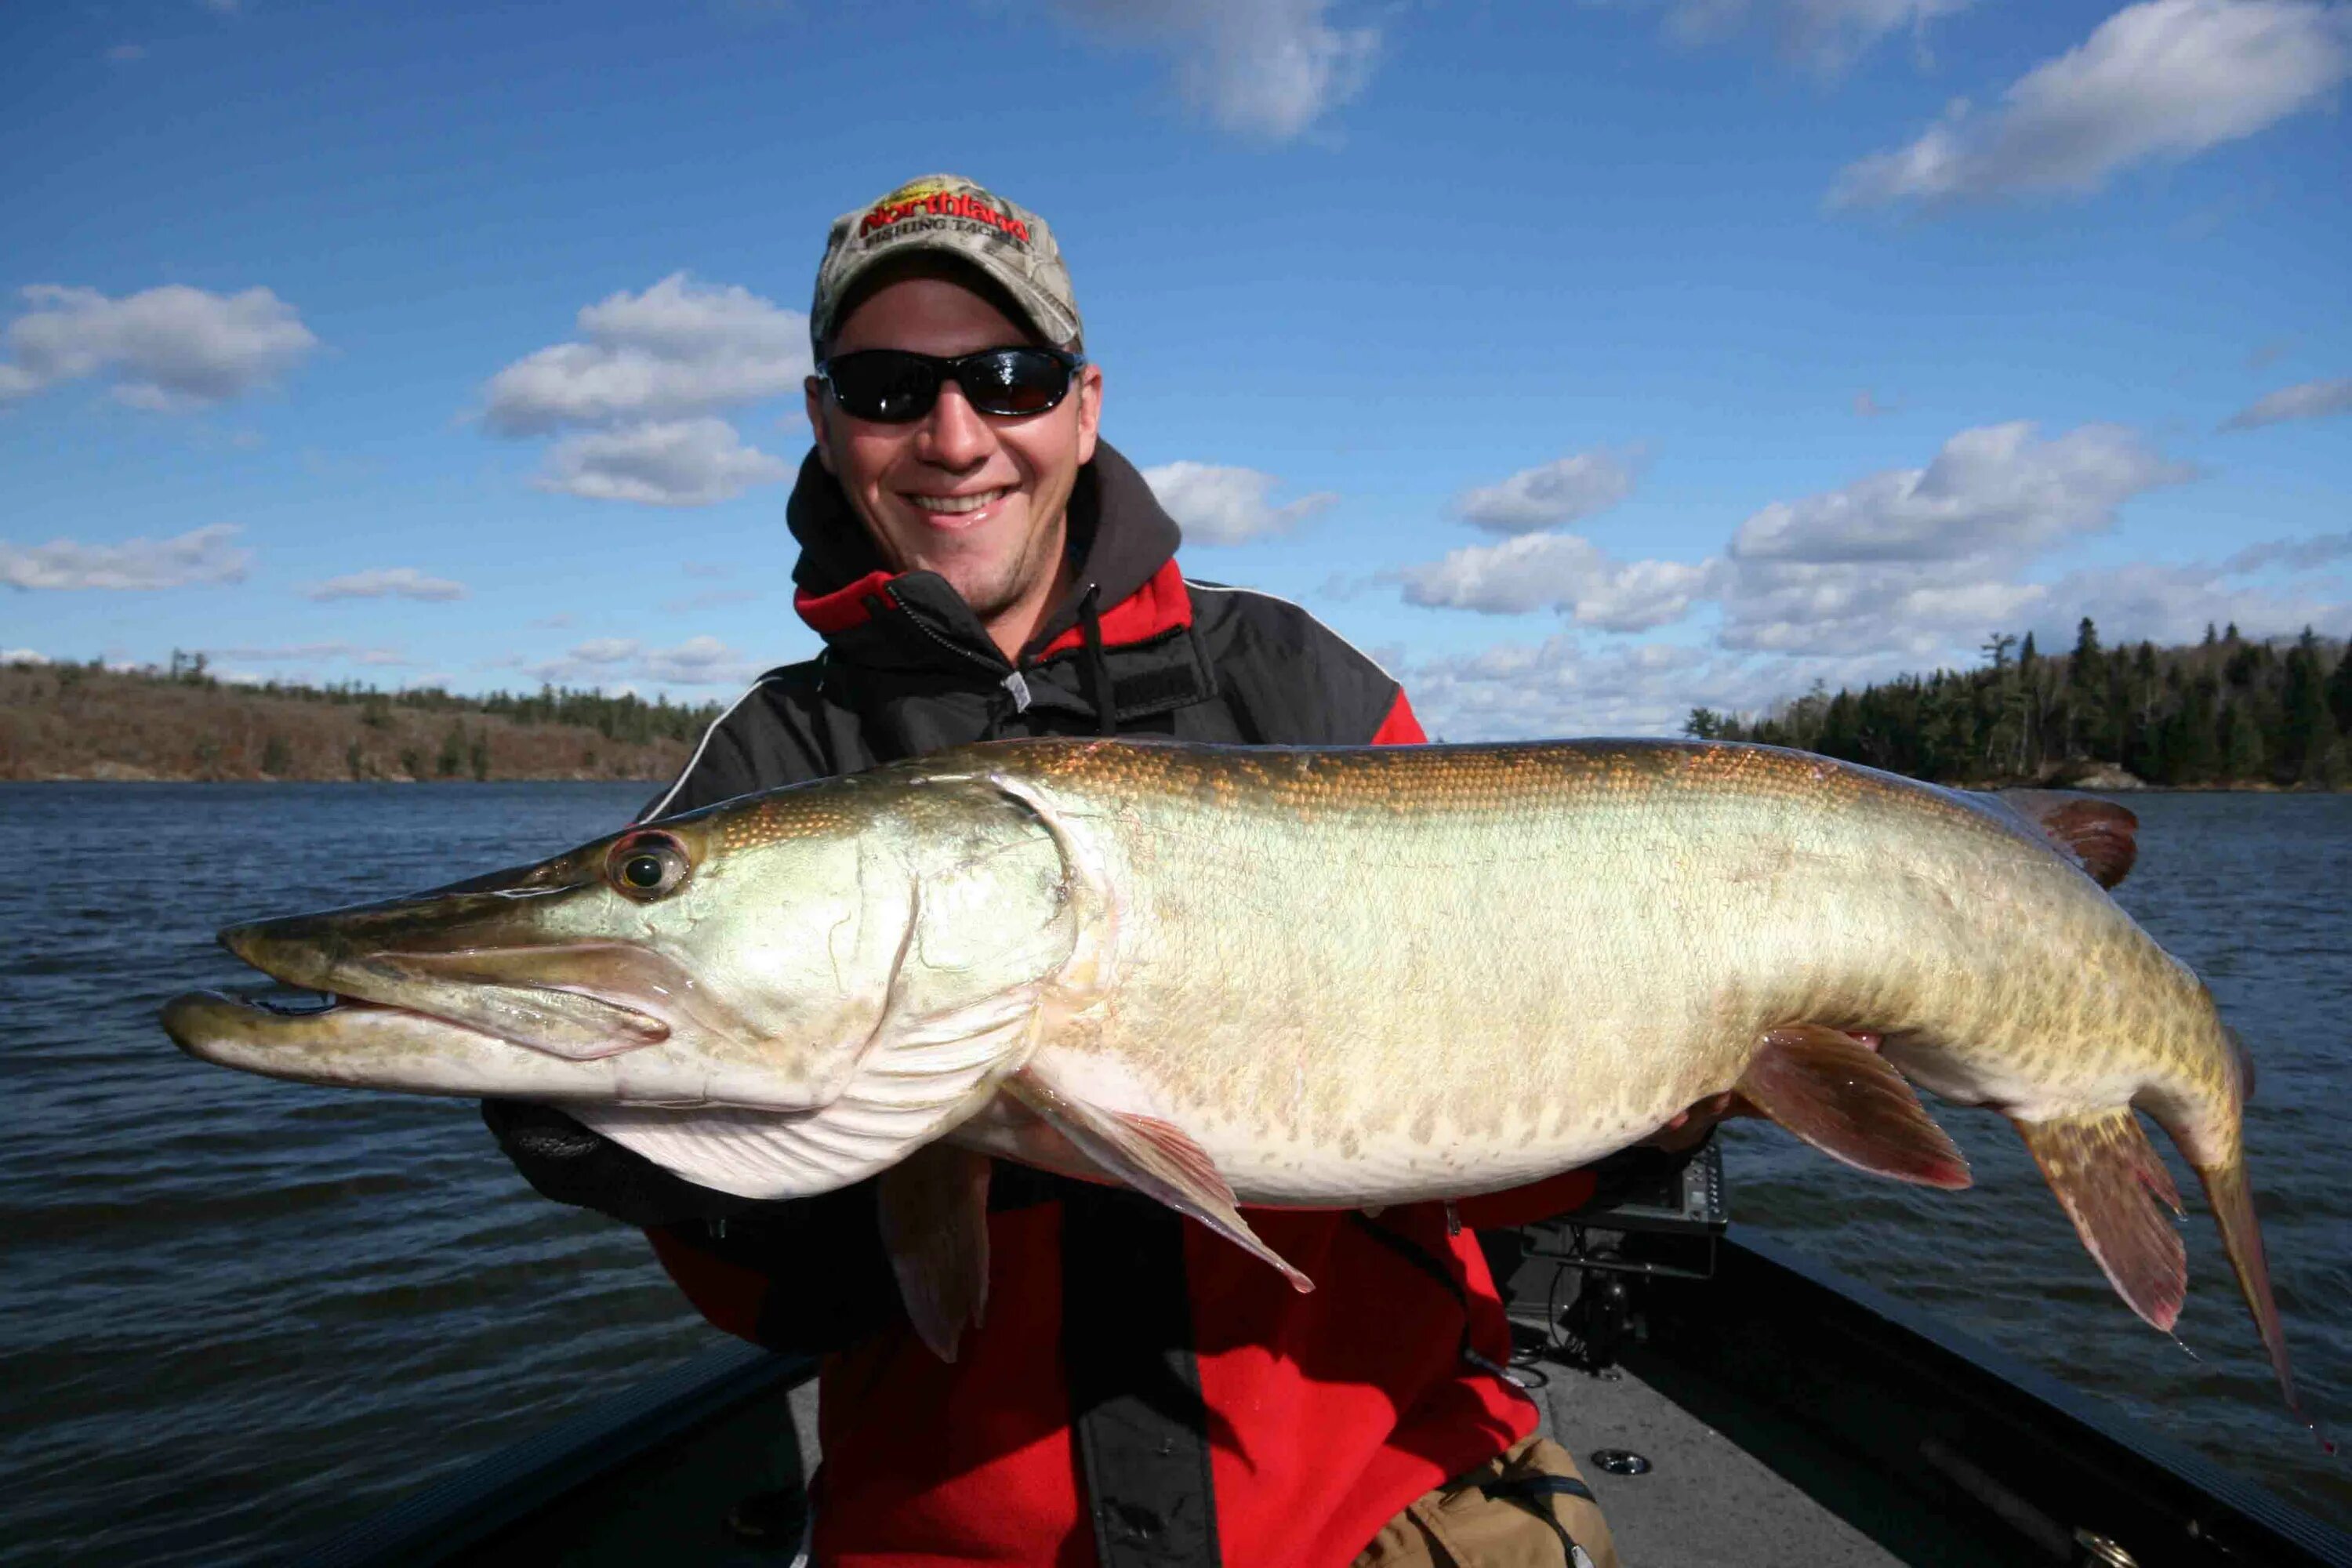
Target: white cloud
(680,348)
(1565,686)
(1566,489)
(2173,604)
(386,583)
(698,661)
(684,462)
(640,392)
(202,555)
(1893,571)
(311,652)
(2162,79)
(1992,490)
(1919,609)
(22,656)
(2295,554)
(1561,687)
(2306,400)
(1867,406)
(1565,572)
(1228,506)
(1916,560)
(1827,35)
(1264,68)
(170,349)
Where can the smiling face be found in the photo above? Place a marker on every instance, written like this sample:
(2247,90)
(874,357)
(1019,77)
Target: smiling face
(978,498)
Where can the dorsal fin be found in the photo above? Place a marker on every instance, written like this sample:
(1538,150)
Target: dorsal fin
(2100,834)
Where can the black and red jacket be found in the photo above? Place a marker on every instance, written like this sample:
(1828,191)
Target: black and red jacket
(1143,1392)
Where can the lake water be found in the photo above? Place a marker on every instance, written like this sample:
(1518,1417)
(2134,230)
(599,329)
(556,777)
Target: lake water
(237,1313)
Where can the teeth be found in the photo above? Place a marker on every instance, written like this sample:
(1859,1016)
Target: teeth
(960,504)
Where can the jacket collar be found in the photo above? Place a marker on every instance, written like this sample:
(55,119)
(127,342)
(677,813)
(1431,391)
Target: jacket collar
(1124,540)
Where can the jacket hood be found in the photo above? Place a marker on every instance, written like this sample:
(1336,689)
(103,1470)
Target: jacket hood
(1122,539)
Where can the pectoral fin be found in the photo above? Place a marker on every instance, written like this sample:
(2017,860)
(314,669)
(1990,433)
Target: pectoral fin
(2107,1176)
(1848,1101)
(1154,1157)
(934,1216)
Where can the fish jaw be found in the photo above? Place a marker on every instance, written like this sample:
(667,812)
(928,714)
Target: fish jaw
(364,1045)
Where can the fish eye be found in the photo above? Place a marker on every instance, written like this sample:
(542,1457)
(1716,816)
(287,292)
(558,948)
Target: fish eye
(647,865)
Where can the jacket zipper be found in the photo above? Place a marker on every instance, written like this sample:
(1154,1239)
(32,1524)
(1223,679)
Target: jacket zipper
(1010,679)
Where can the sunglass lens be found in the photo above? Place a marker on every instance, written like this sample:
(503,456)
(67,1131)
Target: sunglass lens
(885,385)
(1014,381)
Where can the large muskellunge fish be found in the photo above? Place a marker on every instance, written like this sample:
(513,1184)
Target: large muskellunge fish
(1315,978)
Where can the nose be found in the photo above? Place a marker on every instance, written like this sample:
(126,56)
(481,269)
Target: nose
(955,435)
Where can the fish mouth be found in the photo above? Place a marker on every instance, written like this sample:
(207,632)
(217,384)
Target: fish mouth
(579,1000)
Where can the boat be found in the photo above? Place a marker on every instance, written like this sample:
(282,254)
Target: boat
(1731,1401)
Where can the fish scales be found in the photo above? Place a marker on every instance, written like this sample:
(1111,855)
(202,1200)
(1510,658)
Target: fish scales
(1496,962)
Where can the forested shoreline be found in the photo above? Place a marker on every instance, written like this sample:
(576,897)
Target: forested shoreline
(2227,712)
(182,723)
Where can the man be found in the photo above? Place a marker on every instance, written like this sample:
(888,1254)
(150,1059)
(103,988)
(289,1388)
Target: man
(980,565)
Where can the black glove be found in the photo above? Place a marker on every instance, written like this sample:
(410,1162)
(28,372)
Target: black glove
(831,1283)
(568,1163)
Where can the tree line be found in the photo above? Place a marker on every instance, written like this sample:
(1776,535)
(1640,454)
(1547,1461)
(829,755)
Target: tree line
(2226,712)
(625,717)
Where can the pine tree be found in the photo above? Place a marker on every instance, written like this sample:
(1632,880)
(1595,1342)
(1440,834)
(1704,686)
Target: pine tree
(2339,691)
(2087,668)
(2306,730)
(2196,745)
(2241,745)
(2086,696)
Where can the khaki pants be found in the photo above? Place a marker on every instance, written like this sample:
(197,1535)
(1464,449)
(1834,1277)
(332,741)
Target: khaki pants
(1526,1508)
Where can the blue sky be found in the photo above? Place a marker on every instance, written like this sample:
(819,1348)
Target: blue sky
(1586,363)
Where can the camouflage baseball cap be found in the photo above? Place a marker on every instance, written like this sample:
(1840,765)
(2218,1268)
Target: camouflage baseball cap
(952,216)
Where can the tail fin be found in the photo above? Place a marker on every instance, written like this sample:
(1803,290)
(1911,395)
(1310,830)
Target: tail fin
(2241,1236)
(2109,1179)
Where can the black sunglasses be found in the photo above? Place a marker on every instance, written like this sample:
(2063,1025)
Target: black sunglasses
(894,387)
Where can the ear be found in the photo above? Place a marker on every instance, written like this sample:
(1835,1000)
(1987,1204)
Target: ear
(1090,390)
(813,395)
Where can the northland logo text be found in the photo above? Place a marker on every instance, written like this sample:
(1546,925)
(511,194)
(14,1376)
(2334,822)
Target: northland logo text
(941,204)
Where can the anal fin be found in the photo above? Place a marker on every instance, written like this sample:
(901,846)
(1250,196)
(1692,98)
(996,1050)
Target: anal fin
(934,1218)
(1154,1157)
(1848,1101)
(2109,1180)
